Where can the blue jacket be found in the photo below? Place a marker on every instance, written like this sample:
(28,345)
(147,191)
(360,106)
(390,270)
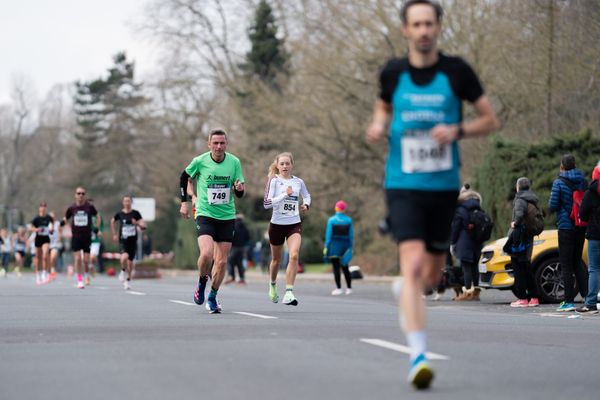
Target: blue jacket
(465,247)
(339,235)
(561,197)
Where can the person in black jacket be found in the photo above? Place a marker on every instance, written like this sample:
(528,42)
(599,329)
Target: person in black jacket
(524,285)
(465,248)
(590,212)
(241,238)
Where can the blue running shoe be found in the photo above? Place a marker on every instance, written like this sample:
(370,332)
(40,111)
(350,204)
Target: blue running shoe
(213,305)
(420,374)
(199,293)
(564,307)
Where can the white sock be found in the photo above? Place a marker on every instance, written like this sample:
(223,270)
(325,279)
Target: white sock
(417,341)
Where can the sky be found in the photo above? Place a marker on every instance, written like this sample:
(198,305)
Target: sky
(61,41)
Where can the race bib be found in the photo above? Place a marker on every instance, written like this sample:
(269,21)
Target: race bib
(421,153)
(218,193)
(289,206)
(45,231)
(80,219)
(128,231)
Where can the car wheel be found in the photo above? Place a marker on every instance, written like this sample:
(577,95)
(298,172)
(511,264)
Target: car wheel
(549,282)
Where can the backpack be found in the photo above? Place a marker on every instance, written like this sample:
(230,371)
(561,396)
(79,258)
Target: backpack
(577,199)
(534,220)
(480,225)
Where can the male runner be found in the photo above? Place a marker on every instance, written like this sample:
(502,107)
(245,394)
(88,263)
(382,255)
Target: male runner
(81,227)
(90,270)
(129,220)
(420,106)
(217,174)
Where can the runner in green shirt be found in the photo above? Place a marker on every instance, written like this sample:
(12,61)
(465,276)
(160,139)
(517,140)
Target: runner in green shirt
(218,176)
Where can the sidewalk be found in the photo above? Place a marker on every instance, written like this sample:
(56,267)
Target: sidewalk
(253,275)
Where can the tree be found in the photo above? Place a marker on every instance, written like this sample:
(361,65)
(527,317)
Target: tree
(109,115)
(267,57)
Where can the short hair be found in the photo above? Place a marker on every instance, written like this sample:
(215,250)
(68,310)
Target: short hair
(439,11)
(217,132)
(568,162)
(523,183)
(130,197)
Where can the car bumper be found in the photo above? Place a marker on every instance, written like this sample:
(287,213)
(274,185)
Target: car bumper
(495,279)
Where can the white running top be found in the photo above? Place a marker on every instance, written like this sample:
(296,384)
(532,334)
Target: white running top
(286,209)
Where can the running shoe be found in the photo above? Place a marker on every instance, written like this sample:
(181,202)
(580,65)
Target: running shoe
(122,276)
(564,307)
(126,285)
(80,285)
(87,281)
(289,299)
(199,293)
(213,305)
(348,291)
(521,303)
(229,280)
(273,293)
(534,302)
(38,280)
(2,272)
(587,309)
(420,374)
(337,292)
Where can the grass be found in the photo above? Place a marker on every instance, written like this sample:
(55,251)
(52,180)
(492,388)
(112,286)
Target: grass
(317,268)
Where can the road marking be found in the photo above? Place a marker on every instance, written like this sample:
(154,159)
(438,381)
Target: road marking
(136,293)
(185,303)
(555,315)
(401,348)
(254,315)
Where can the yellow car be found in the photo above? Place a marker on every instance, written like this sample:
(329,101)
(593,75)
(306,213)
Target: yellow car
(496,272)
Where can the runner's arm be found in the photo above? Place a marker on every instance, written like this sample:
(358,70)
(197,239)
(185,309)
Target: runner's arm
(239,193)
(382,113)
(269,201)
(185,182)
(305,194)
(113,228)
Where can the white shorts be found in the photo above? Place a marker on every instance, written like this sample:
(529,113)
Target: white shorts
(95,249)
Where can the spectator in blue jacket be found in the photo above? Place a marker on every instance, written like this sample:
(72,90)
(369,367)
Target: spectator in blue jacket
(570,236)
(339,237)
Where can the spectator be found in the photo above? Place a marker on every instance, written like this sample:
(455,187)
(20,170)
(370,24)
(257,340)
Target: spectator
(590,212)
(466,249)
(570,236)
(241,238)
(339,237)
(522,244)
(5,251)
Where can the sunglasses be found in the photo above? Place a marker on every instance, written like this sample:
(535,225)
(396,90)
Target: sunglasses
(80,193)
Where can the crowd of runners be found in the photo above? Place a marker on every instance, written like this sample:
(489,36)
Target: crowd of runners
(419,112)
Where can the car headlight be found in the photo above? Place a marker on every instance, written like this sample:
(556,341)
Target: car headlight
(487,256)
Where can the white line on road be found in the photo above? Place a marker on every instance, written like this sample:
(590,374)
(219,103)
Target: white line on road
(400,348)
(254,315)
(185,303)
(136,293)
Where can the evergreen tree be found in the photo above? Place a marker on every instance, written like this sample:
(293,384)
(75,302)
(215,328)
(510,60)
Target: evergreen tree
(267,57)
(108,115)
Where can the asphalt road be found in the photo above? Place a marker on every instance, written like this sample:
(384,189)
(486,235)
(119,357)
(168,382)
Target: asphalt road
(58,342)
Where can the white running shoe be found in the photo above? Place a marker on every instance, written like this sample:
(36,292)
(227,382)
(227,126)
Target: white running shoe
(122,276)
(2,272)
(348,291)
(289,298)
(337,292)
(126,285)
(80,285)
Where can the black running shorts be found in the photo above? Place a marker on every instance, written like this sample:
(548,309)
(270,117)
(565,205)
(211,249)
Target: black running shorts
(278,233)
(219,230)
(422,215)
(81,243)
(41,240)
(128,246)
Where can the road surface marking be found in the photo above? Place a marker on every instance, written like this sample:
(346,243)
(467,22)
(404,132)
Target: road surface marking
(555,315)
(185,303)
(401,348)
(254,315)
(136,293)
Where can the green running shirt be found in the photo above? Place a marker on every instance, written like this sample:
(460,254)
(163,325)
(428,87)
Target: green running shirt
(214,188)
